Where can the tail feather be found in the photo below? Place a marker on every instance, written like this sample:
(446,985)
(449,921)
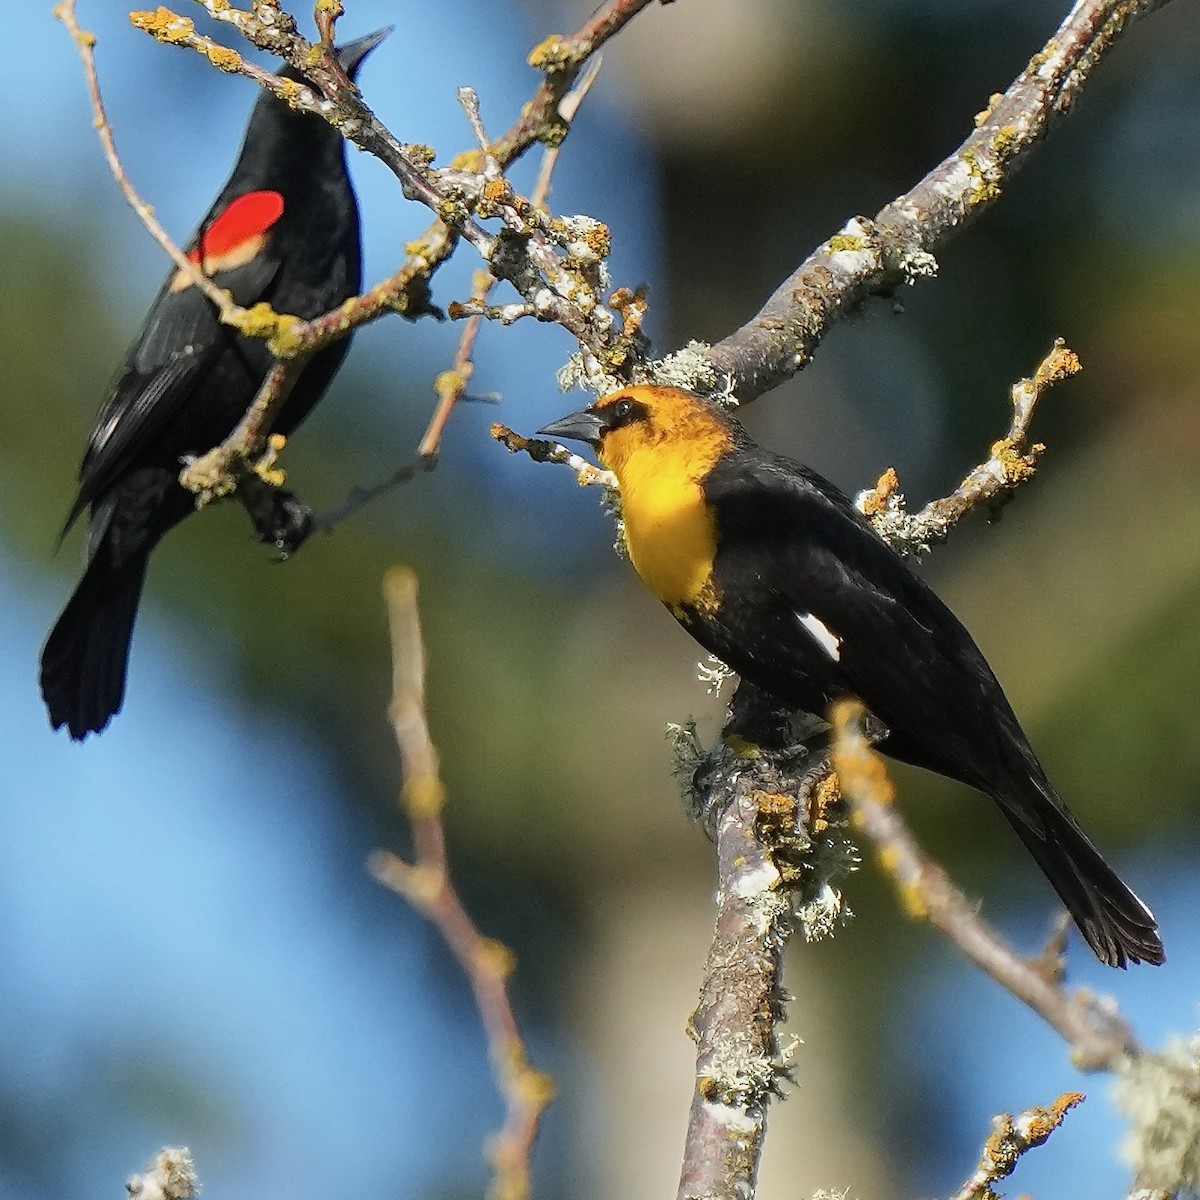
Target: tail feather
(85,657)
(1118,927)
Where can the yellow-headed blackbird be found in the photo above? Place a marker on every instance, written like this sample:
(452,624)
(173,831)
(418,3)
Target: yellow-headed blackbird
(772,569)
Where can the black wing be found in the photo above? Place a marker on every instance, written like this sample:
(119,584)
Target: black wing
(178,345)
(791,548)
(830,611)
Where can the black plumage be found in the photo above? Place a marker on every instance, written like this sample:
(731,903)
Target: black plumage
(773,569)
(284,230)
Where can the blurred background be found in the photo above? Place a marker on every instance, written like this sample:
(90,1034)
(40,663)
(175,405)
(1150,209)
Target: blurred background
(190,948)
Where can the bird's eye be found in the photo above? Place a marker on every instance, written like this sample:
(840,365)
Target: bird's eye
(622,411)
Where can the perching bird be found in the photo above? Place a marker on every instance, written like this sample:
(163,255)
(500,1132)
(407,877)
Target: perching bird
(284,230)
(772,569)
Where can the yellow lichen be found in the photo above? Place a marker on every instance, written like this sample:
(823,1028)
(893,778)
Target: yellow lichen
(163,24)
(551,54)
(496,191)
(277,329)
(1018,468)
(1004,140)
(984,184)
(1042,57)
(993,100)
(827,794)
(742,747)
(424,797)
(450,383)
(223,58)
(267,467)
(496,957)
(912,899)
(844,241)
(290,92)
(876,500)
(468,160)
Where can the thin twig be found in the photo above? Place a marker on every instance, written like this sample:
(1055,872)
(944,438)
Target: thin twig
(451,385)
(543,450)
(561,59)
(212,475)
(1097,1035)
(1010,1138)
(426,884)
(85,44)
(869,256)
(1012,462)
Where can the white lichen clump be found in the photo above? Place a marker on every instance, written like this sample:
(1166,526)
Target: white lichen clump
(821,909)
(714,674)
(1160,1094)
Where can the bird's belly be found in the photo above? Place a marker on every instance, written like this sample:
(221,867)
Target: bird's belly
(672,547)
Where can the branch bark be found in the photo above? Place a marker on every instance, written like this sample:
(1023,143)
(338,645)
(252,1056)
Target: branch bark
(869,257)
(1098,1037)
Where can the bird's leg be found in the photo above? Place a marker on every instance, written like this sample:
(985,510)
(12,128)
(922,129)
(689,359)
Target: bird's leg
(280,518)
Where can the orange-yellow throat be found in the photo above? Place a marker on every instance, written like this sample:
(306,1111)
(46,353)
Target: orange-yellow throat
(660,465)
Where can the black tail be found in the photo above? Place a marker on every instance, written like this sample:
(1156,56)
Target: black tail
(84,659)
(1113,921)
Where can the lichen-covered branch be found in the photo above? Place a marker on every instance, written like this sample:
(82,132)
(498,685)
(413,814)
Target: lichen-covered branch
(777,859)
(556,265)
(1159,1093)
(553,265)
(544,451)
(897,246)
(1098,1037)
(1011,463)
(451,385)
(1010,1138)
(426,884)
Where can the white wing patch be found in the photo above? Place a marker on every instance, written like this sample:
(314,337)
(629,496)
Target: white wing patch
(822,635)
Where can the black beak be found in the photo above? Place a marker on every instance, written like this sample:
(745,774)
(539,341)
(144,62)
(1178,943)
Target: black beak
(351,55)
(583,426)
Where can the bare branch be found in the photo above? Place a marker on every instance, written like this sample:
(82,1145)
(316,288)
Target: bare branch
(427,886)
(1011,1137)
(1097,1035)
(1011,463)
(871,256)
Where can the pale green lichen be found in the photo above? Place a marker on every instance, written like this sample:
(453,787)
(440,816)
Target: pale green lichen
(985,182)
(689,368)
(686,750)
(1160,1094)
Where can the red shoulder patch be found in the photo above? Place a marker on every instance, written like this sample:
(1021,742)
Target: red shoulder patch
(243,220)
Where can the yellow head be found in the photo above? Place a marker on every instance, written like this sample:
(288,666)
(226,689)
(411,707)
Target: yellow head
(660,443)
(645,431)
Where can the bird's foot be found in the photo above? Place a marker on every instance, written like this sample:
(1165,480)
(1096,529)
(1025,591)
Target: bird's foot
(266,467)
(279,517)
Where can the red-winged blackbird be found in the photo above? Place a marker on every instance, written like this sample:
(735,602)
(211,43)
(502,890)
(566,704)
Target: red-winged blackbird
(284,230)
(774,570)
